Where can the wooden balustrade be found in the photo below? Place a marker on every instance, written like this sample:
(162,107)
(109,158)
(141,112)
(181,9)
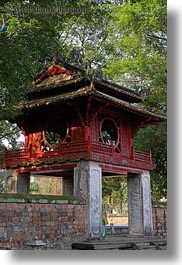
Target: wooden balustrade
(142,156)
(19,154)
(101,148)
(70,148)
(67,148)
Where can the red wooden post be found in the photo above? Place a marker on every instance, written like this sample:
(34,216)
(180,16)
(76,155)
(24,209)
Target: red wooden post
(30,151)
(59,148)
(132,153)
(86,133)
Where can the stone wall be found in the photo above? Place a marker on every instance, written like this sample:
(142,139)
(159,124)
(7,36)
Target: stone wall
(56,222)
(159,216)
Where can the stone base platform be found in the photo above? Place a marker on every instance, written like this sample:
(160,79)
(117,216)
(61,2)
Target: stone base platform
(123,242)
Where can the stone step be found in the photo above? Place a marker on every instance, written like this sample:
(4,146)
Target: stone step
(122,243)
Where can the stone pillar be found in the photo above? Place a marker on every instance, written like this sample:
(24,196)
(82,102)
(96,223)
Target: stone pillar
(147,204)
(10,181)
(23,183)
(88,189)
(67,186)
(16,183)
(139,204)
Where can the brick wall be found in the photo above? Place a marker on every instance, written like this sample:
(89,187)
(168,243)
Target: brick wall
(159,214)
(56,224)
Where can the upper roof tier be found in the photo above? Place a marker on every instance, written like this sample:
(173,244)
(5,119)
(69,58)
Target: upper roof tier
(61,82)
(58,75)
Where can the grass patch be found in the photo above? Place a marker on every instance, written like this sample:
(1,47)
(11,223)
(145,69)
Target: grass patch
(35,198)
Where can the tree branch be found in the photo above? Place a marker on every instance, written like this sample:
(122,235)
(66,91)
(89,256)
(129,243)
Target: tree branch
(156,37)
(8,134)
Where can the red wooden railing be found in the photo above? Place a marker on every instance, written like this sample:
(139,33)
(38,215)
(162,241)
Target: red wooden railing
(70,148)
(73,147)
(101,148)
(141,156)
(19,154)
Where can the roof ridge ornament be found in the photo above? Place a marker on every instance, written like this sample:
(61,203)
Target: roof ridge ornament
(144,92)
(59,57)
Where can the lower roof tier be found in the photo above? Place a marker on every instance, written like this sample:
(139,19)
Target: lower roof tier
(86,94)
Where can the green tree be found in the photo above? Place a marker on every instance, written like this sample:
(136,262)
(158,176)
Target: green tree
(114,191)
(138,59)
(140,46)
(9,134)
(155,139)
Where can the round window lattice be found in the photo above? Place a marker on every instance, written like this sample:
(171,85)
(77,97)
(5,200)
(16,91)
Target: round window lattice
(50,139)
(54,133)
(109,131)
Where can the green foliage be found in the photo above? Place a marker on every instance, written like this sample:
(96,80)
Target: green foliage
(52,138)
(154,138)
(30,42)
(114,191)
(139,57)
(34,187)
(9,133)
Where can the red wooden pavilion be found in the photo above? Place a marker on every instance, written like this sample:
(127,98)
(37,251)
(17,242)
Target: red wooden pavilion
(73,122)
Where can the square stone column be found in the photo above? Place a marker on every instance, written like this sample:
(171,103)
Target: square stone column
(139,204)
(67,186)
(16,183)
(88,189)
(23,183)
(10,181)
(147,203)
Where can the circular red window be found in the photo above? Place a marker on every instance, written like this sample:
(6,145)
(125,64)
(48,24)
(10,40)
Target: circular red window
(109,131)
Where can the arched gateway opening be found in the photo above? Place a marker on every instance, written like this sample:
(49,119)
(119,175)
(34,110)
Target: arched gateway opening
(80,131)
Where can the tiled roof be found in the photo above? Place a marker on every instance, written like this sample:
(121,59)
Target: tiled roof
(98,96)
(62,82)
(58,75)
(130,107)
(118,90)
(54,99)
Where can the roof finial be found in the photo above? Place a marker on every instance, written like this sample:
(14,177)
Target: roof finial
(144,92)
(59,57)
(79,58)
